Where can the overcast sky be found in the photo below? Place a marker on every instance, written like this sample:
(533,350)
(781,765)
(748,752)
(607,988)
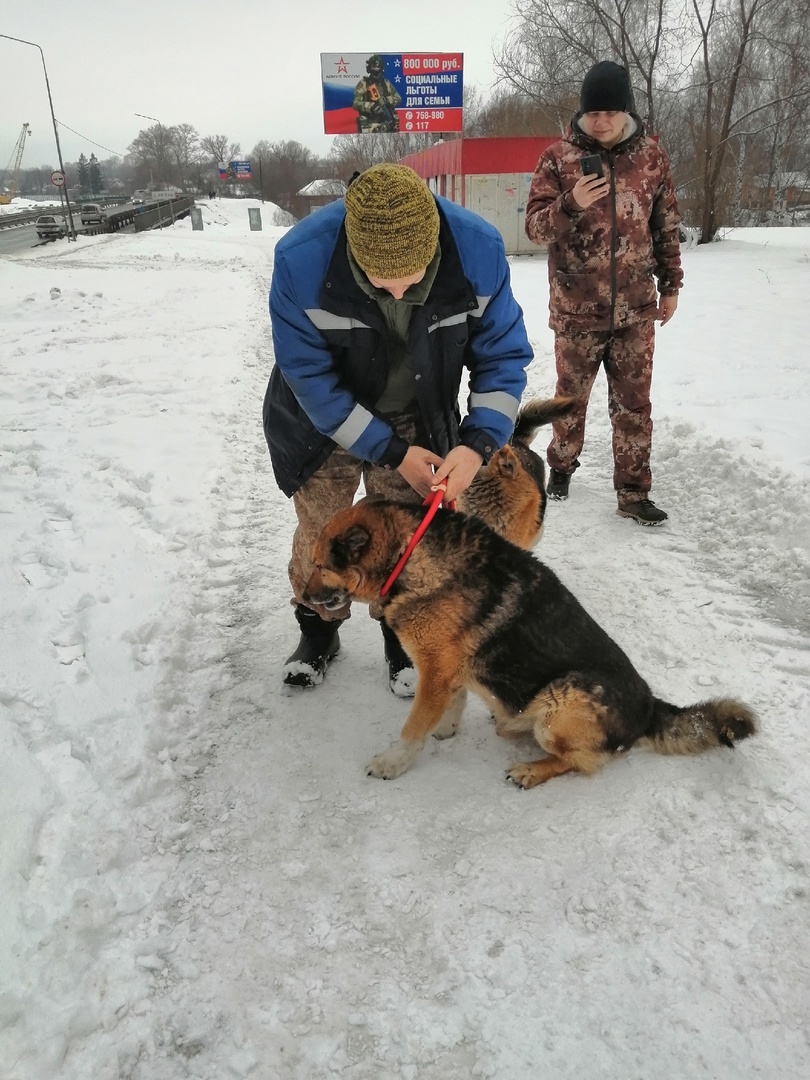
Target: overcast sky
(248,69)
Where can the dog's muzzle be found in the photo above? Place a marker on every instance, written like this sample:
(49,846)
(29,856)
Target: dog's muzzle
(332,599)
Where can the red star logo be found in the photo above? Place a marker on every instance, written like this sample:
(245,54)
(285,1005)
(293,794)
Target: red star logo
(342,66)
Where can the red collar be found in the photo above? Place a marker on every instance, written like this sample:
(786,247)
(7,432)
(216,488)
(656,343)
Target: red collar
(435,502)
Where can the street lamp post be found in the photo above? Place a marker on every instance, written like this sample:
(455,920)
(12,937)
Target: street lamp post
(145,116)
(22,41)
(160,126)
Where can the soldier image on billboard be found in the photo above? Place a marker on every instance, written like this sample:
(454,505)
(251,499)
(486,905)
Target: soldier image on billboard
(376,100)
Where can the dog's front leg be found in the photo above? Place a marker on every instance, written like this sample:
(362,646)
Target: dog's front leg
(436,708)
(451,718)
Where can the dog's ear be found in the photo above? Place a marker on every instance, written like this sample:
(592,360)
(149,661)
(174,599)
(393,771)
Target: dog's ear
(347,548)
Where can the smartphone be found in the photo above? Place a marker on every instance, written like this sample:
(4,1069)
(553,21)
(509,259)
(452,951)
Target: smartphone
(591,165)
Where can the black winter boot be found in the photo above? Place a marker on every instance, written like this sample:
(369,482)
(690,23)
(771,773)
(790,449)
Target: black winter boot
(401,673)
(644,512)
(320,643)
(558,485)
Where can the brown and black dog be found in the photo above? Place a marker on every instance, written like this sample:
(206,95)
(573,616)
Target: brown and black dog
(474,611)
(509,492)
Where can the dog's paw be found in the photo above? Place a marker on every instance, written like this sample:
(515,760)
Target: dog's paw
(523,774)
(446,728)
(394,762)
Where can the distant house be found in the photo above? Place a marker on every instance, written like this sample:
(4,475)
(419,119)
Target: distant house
(320,193)
(790,189)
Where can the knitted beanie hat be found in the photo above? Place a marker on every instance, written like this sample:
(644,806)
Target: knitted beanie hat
(606,88)
(392,223)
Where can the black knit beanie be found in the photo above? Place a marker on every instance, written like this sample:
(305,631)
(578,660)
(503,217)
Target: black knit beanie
(606,88)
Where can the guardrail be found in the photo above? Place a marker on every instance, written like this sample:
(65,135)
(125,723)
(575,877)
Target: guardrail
(148,216)
(24,217)
(104,200)
(162,213)
(112,222)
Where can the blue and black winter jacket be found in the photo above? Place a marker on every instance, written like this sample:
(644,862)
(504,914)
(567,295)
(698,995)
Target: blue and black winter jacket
(331,359)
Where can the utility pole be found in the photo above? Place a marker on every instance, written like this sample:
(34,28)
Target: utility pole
(22,41)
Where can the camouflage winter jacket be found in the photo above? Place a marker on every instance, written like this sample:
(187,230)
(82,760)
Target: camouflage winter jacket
(601,261)
(376,102)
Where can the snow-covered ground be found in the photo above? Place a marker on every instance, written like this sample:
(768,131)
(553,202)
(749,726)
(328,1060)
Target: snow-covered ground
(17,204)
(199,879)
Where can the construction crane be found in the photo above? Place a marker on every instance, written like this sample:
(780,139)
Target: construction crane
(14,169)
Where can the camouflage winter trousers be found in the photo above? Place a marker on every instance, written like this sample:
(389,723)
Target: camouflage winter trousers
(627,356)
(332,488)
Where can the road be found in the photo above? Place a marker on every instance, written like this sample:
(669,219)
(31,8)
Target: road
(22,237)
(13,241)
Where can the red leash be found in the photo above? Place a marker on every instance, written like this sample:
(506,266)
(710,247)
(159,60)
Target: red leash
(435,501)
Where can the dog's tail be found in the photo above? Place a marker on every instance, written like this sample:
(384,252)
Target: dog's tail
(536,414)
(695,728)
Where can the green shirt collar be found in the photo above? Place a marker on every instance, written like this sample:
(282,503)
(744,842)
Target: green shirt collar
(416,295)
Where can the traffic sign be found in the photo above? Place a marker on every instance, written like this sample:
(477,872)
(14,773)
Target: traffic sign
(58,178)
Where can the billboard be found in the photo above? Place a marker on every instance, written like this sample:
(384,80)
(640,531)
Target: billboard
(372,93)
(234,170)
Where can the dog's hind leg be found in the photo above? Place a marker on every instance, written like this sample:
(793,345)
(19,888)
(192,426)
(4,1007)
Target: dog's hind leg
(569,724)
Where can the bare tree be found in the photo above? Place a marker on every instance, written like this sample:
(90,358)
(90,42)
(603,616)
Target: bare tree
(219,148)
(511,112)
(472,104)
(186,153)
(554,42)
(753,60)
(356,153)
(284,168)
(722,68)
(154,148)
(782,58)
(708,74)
(36,181)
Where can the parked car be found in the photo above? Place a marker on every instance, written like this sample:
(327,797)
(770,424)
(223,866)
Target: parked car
(92,213)
(49,226)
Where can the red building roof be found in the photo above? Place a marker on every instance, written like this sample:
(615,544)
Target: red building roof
(468,157)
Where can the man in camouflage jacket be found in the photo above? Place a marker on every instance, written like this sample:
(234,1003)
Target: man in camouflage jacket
(608,239)
(376,100)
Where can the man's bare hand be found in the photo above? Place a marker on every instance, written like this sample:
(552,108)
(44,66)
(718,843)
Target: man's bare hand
(666,308)
(588,190)
(458,471)
(417,468)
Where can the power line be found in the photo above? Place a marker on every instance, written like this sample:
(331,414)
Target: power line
(99,145)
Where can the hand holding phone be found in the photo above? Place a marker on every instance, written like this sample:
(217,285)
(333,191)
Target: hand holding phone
(592,185)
